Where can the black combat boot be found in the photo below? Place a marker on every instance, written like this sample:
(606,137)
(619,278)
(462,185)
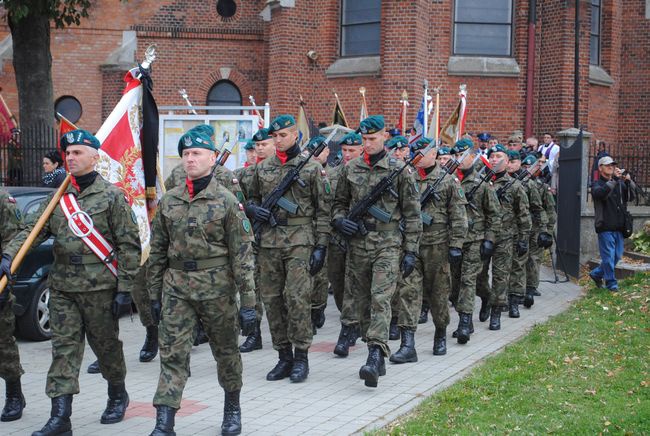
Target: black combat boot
(283,368)
(513,306)
(93,368)
(406,352)
(150,347)
(393,332)
(118,401)
(14,401)
(253,341)
(318,317)
(342,347)
(424,313)
(484,314)
(374,368)
(164,421)
(495,318)
(454,334)
(231,424)
(440,342)
(59,422)
(354,334)
(529,298)
(300,369)
(465,327)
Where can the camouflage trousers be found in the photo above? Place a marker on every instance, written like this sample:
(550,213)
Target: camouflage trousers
(10,368)
(533,262)
(141,298)
(286,285)
(436,281)
(319,290)
(464,278)
(345,302)
(372,280)
(501,265)
(179,317)
(517,279)
(74,315)
(259,305)
(407,301)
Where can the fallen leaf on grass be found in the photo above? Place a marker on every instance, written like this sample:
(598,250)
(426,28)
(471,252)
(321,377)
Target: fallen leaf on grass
(590,391)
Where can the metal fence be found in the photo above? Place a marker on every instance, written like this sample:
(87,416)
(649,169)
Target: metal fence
(22,153)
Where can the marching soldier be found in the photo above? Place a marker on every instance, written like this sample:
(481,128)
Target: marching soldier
(291,252)
(251,158)
(399,147)
(201,247)
(351,147)
(10,368)
(374,259)
(96,258)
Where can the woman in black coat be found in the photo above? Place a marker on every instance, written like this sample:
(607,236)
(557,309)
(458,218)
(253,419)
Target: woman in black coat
(54,170)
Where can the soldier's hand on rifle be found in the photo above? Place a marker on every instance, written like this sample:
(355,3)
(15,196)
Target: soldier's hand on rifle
(486,250)
(247,320)
(408,264)
(522,247)
(317,259)
(455,256)
(544,240)
(346,227)
(257,213)
(5,267)
(156,309)
(121,302)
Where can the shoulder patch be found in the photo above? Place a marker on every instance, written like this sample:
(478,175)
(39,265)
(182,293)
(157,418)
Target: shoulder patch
(246,225)
(10,199)
(241,206)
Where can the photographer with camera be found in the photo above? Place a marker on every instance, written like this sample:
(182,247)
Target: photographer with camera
(610,192)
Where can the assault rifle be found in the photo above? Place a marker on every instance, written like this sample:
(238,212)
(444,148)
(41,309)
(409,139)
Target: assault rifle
(275,198)
(522,176)
(225,154)
(484,176)
(431,191)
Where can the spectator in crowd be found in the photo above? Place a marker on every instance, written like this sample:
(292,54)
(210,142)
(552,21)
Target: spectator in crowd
(54,170)
(550,150)
(610,193)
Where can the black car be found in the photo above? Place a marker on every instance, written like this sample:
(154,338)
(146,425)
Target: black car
(31,288)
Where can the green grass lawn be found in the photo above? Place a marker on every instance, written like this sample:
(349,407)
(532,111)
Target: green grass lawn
(583,372)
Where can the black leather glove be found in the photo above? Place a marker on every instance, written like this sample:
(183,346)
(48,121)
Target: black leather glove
(544,240)
(5,267)
(121,302)
(521,248)
(487,249)
(247,320)
(455,256)
(317,259)
(346,227)
(257,213)
(156,309)
(408,264)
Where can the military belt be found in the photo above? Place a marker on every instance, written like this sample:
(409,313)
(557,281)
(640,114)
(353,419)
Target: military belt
(381,227)
(436,226)
(300,221)
(86,259)
(195,265)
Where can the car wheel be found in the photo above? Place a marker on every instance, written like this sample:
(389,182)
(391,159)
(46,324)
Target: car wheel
(34,325)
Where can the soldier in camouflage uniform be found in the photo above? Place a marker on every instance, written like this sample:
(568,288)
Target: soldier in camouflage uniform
(251,158)
(517,281)
(10,369)
(484,220)
(336,260)
(86,297)
(374,259)
(291,252)
(201,247)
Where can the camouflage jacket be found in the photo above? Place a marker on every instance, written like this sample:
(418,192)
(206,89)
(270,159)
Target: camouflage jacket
(245,177)
(448,216)
(10,219)
(484,212)
(210,226)
(548,201)
(356,179)
(333,174)
(515,217)
(222,174)
(310,199)
(538,216)
(113,218)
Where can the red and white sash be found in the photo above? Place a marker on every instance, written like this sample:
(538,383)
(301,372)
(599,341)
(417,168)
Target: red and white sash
(82,226)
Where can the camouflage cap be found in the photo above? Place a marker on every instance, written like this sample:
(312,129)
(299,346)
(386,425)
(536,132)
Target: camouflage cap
(79,137)
(529,160)
(261,135)
(249,145)
(194,139)
(397,142)
(513,155)
(463,144)
(497,148)
(372,124)
(352,138)
(282,122)
(204,129)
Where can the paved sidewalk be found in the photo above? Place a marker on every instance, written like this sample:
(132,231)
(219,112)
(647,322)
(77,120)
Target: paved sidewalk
(333,400)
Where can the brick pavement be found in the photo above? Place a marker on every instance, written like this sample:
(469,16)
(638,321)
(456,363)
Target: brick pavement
(333,400)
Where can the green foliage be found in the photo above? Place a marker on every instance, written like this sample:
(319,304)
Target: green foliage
(641,241)
(62,12)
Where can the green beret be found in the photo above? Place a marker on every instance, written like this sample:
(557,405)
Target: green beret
(194,139)
(421,143)
(372,124)
(352,138)
(249,145)
(79,137)
(444,151)
(204,129)
(282,122)
(261,135)
(397,142)
(315,142)
(463,144)
(513,155)
(529,160)
(497,148)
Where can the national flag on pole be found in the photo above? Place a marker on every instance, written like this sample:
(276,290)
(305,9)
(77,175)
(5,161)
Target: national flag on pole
(418,124)
(303,124)
(65,126)
(454,127)
(364,106)
(260,118)
(7,121)
(128,155)
(339,116)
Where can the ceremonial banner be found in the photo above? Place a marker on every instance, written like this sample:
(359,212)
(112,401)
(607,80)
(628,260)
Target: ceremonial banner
(339,116)
(418,124)
(260,118)
(454,127)
(364,107)
(303,125)
(401,124)
(7,121)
